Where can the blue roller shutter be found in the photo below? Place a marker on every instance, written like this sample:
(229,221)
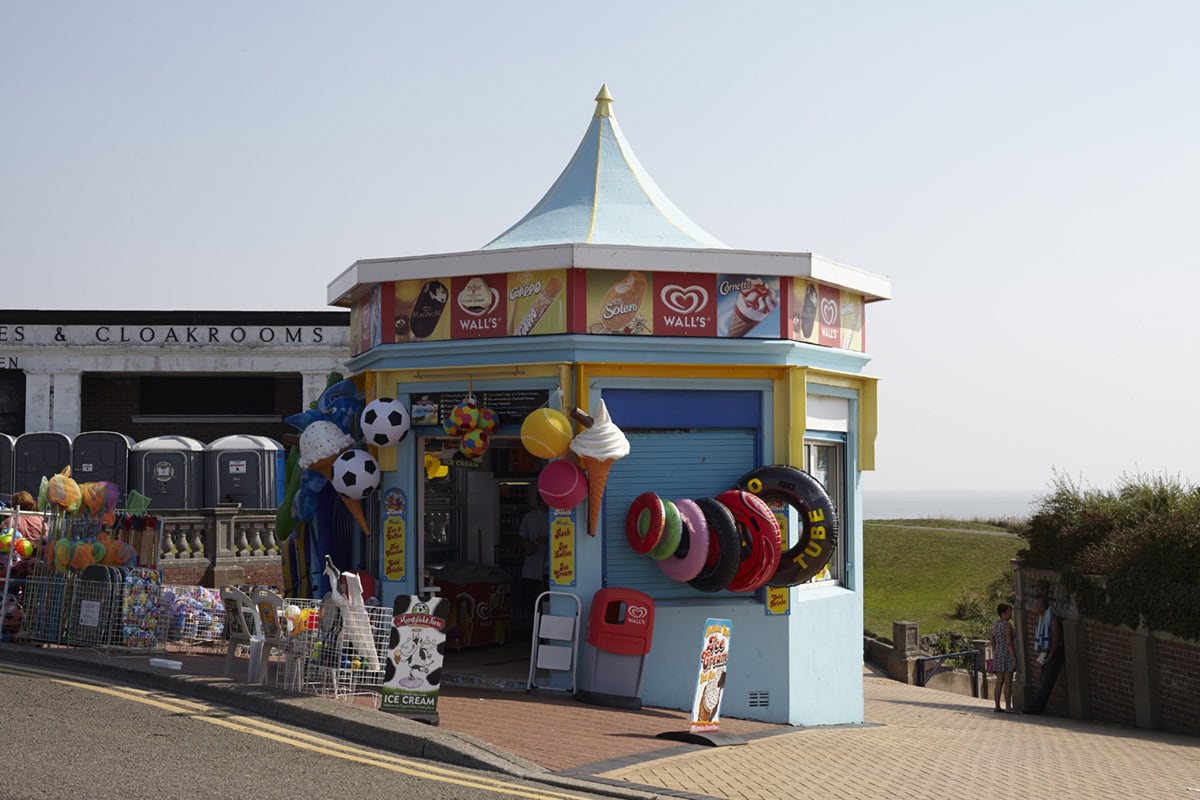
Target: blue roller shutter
(672,464)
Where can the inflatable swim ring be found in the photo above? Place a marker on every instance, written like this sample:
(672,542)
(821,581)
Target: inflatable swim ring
(692,551)
(672,531)
(724,548)
(818,519)
(758,531)
(644,522)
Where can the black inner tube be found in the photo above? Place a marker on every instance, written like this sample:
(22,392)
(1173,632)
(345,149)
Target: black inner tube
(818,519)
(723,533)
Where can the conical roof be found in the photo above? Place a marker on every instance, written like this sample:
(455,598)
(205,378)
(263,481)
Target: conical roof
(605,196)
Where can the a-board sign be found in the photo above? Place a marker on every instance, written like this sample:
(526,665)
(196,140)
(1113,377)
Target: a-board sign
(710,682)
(412,676)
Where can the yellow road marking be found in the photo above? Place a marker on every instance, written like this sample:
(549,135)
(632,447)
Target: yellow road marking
(294,738)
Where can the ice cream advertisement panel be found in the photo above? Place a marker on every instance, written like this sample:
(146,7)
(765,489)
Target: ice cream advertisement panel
(710,682)
(619,302)
(412,674)
(748,306)
(478,306)
(537,302)
(685,304)
(421,310)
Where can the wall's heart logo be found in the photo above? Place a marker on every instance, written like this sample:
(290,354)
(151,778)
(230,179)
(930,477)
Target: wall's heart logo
(684,299)
(829,311)
(636,612)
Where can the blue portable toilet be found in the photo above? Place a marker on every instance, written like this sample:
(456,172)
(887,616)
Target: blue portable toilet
(6,464)
(170,470)
(242,469)
(39,455)
(101,456)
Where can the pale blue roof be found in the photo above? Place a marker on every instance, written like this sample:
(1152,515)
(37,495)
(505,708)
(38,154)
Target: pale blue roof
(605,196)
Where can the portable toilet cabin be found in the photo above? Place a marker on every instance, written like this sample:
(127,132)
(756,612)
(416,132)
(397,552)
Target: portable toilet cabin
(7,444)
(242,469)
(170,470)
(39,455)
(101,456)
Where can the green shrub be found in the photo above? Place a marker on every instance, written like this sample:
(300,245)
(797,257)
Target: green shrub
(1127,556)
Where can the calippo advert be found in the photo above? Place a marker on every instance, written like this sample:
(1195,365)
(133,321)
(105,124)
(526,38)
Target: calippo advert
(562,547)
(412,675)
(748,306)
(710,684)
(619,302)
(537,302)
(395,511)
(420,310)
(685,304)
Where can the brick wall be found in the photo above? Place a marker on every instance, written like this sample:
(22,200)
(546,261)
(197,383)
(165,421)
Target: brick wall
(258,572)
(108,401)
(1108,660)
(1178,685)
(1058,704)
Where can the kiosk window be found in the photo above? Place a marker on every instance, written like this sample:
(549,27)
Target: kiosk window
(824,461)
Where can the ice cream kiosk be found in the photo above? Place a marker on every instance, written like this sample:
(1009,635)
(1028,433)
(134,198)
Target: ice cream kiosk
(696,416)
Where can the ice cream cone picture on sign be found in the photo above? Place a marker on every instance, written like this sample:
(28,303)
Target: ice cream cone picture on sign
(597,446)
(747,305)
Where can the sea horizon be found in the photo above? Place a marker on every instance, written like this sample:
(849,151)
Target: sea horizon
(962,504)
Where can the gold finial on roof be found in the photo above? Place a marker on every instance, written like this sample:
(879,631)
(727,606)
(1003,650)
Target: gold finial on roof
(603,102)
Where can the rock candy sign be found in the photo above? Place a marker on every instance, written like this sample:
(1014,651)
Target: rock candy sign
(710,682)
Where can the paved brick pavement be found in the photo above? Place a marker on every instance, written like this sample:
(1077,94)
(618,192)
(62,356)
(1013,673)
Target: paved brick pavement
(931,744)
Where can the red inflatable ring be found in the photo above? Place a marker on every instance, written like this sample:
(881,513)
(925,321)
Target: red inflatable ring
(724,548)
(814,547)
(644,522)
(759,533)
(692,551)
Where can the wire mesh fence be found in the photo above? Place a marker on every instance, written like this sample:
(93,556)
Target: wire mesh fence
(121,610)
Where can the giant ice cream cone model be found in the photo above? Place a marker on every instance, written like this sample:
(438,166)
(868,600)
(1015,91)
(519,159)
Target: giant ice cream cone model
(597,447)
(320,445)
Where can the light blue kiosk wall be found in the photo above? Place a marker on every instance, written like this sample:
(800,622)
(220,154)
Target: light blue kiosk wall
(802,668)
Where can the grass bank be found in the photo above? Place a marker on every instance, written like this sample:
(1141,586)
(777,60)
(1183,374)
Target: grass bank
(918,570)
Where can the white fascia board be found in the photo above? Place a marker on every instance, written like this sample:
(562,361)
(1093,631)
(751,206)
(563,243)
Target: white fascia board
(362,274)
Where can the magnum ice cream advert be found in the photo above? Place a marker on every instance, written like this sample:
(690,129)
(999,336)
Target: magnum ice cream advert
(421,313)
(826,315)
(537,302)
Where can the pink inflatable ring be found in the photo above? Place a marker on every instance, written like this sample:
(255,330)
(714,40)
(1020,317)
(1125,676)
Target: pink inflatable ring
(689,556)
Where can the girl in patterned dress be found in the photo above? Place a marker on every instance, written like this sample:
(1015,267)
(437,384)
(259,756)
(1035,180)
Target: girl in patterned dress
(1004,658)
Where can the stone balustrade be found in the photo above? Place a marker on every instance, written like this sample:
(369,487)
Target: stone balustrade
(219,546)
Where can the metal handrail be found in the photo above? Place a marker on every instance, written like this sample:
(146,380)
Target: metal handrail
(940,660)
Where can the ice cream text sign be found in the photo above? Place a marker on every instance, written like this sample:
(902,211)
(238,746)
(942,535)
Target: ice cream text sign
(710,681)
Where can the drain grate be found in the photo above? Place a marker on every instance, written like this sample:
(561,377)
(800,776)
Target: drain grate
(760,699)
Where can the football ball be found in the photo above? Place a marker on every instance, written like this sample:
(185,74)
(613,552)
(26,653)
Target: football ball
(488,420)
(464,417)
(385,422)
(473,444)
(355,473)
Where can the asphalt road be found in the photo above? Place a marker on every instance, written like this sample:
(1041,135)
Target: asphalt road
(67,736)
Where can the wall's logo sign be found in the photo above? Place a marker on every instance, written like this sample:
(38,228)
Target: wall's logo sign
(829,311)
(636,614)
(684,299)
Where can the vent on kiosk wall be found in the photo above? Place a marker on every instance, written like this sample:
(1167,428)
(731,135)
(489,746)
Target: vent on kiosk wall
(760,699)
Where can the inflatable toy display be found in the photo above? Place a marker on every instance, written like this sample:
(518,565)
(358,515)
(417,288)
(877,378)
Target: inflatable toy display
(562,484)
(818,519)
(672,531)
(384,422)
(689,556)
(546,433)
(724,548)
(644,522)
(759,533)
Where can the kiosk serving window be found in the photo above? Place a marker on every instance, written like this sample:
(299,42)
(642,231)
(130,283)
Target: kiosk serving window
(825,461)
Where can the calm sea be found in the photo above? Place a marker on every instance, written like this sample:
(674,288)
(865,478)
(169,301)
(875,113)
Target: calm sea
(922,504)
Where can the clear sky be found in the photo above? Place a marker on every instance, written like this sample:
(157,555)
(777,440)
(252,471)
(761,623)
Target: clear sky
(1025,173)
